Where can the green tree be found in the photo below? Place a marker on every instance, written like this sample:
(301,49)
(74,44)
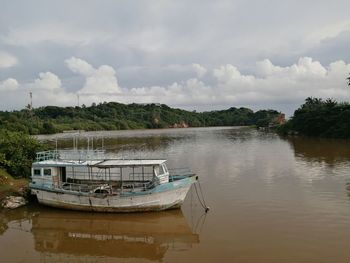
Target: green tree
(17,152)
(319,118)
(48,128)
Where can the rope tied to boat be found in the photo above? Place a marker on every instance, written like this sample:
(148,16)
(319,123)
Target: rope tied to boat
(201,200)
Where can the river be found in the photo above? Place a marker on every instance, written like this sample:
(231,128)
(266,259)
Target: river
(271,200)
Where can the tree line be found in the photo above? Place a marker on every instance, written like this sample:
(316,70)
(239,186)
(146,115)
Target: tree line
(18,148)
(320,118)
(117,116)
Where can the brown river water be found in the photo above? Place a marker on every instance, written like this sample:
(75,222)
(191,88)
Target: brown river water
(271,200)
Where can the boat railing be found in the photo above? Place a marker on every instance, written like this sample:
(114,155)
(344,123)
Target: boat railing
(92,188)
(81,188)
(103,175)
(47,155)
(140,177)
(72,155)
(179,172)
(132,186)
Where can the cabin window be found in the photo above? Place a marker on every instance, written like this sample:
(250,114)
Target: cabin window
(161,169)
(165,168)
(156,170)
(47,172)
(37,172)
(101,191)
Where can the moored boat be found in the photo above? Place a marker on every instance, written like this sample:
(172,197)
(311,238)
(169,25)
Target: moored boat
(88,180)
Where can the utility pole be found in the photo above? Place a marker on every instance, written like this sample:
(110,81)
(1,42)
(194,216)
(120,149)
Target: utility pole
(78,100)
(31,100)
(30,105)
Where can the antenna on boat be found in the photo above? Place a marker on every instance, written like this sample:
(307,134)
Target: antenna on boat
(75,142)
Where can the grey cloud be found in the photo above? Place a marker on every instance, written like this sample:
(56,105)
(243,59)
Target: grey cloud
(333,48)
(7,60)
(154,43)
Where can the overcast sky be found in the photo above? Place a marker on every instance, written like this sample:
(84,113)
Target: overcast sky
(197,55)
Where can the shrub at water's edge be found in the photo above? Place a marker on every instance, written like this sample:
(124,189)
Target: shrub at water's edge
(17,152)
(319,118)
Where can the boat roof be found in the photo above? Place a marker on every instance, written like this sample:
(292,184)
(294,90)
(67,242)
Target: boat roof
(137,162)
(65,163)
(101,163)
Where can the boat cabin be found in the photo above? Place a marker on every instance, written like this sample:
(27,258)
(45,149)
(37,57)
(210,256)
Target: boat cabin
(99,176)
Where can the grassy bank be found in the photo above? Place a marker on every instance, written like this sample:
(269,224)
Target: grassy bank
(11,186)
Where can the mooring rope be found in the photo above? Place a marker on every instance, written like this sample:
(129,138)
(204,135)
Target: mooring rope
(200,223)
(200,189)
(206,208)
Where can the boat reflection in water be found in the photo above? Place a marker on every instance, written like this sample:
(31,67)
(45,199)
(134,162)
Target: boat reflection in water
(61,235)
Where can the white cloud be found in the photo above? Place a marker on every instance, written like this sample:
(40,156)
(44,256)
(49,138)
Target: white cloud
(226,86)
(47,81)
(277,84)
(9,84)
(291,84)
(7,60)
(48,90)
(184,93)
(230,78)
(306,67)
(80,66)
(266,68)
(200,70)
(101,81)
(273,85)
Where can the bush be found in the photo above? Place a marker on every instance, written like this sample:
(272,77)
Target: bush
(17,152)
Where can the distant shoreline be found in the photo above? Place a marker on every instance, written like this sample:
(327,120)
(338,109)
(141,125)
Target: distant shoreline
(117,116)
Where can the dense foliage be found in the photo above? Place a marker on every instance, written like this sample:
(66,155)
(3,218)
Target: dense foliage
(116,116)
(320,118)
(17,152)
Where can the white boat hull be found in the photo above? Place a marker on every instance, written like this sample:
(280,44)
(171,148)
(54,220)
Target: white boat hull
(155,201)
